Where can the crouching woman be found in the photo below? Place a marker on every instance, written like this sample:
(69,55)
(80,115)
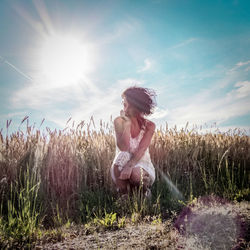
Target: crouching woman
(132,166)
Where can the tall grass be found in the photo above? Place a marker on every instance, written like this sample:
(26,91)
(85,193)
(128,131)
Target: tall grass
(73,168)
(203,164)
(22,221)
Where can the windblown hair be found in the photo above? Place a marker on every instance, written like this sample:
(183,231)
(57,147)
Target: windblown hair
(143,99)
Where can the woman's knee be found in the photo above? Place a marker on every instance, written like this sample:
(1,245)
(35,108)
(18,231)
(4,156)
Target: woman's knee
(139,176)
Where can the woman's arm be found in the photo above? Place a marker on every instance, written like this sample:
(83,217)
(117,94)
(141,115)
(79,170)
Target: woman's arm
(144,143)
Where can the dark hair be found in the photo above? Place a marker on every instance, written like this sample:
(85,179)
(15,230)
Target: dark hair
(143,99)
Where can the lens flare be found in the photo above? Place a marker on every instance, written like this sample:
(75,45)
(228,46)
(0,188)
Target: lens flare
(210,222)
(175,191)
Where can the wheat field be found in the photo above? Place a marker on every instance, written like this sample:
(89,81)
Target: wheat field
(67,171)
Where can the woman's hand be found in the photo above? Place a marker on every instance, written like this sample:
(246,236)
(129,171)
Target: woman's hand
(125,118)
(126,171)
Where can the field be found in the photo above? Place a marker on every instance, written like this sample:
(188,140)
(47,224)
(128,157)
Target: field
(56,191)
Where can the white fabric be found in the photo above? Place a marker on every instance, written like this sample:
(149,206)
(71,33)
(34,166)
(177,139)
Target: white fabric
(122,157)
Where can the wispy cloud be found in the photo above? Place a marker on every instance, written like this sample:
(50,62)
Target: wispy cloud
(173,52)
(106,103)
(159,113)
(80,101)
(247,69)
(147,65)
(184,43)
(37,97)
(213,104)
(121,30)
(242,90)
(205,108)
(239,65)
(19,114)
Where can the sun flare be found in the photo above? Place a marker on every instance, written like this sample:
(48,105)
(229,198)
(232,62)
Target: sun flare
(64,60)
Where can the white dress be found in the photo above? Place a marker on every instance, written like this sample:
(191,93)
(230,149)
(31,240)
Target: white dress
(122,157)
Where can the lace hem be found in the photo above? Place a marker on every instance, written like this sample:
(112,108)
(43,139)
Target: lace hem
(121,159)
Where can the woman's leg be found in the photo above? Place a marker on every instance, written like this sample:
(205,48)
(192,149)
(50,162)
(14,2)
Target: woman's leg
(140,176)
(121,184)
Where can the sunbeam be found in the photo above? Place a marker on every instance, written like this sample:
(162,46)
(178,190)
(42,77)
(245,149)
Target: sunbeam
(172,187)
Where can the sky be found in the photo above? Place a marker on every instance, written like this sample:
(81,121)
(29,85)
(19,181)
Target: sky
(73,59)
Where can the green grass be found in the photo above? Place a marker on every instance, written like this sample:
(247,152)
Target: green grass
(20,227)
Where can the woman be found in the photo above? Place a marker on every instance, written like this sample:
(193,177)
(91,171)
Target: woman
(132,165)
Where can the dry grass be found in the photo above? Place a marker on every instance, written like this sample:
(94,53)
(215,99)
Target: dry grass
(75,159)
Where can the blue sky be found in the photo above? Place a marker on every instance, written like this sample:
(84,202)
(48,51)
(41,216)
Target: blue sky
(194,54)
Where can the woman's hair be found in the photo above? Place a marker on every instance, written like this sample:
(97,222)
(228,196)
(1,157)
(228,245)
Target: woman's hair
(143,99)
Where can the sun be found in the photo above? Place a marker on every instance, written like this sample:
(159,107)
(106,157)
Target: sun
(64,60)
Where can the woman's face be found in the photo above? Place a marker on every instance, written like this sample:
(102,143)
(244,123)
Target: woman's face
(128,109)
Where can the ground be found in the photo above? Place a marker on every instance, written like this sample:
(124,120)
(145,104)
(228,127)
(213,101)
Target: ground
(145,234)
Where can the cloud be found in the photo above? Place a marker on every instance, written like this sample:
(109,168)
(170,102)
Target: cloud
(147,65)
(243,90)
(10,116)
(121,29)
(213,104)
(173,52)
(205,108)
(247,69)
(79,101)
(239,65)
(127,82)
(184,43)
(37,97)
(106,103)
(159,113)
(19,114)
